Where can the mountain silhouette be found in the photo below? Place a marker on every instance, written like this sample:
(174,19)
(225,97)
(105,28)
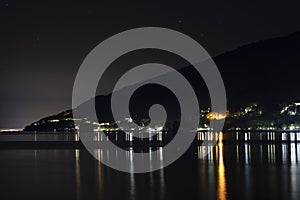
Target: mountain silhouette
(267,72)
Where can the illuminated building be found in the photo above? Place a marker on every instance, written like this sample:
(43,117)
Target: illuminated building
(291,109)
(216,115)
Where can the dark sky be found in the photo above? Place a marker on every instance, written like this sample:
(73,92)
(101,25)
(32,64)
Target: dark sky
(42,44)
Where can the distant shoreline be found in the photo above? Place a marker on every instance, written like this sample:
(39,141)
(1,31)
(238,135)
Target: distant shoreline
(71,140)
(73,132)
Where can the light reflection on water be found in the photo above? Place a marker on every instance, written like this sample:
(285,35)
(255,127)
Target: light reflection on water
(252,136)
(229,171)
(221,172)
(257,161)
(77,171)
(248,156)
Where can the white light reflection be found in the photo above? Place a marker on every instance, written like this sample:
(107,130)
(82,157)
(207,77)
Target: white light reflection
(201,152)
(99,170)
(77,137)
(293,153)
(98,136)
(273,136)
(77,172)
(160,153)
(160,157)
(271,154)
(270,136)
(246,136)
(237,154)
(246,154)
(159,136)
(150,153)
(210,156)
(284,153)
(201,136)
(298,136)
(292,136)
(283,136)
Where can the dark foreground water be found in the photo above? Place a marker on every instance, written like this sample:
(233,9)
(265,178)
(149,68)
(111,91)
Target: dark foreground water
(244,171)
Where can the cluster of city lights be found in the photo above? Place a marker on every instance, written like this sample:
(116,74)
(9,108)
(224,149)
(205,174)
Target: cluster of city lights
(216,115)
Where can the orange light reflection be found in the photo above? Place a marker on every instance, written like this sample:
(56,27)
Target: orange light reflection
(221,171)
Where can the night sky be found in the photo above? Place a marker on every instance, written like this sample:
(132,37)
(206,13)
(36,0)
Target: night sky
(42,44)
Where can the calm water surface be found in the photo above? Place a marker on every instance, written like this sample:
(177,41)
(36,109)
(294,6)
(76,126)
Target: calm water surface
(248,171)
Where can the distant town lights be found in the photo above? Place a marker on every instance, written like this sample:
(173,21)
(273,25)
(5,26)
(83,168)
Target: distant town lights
(216,115)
